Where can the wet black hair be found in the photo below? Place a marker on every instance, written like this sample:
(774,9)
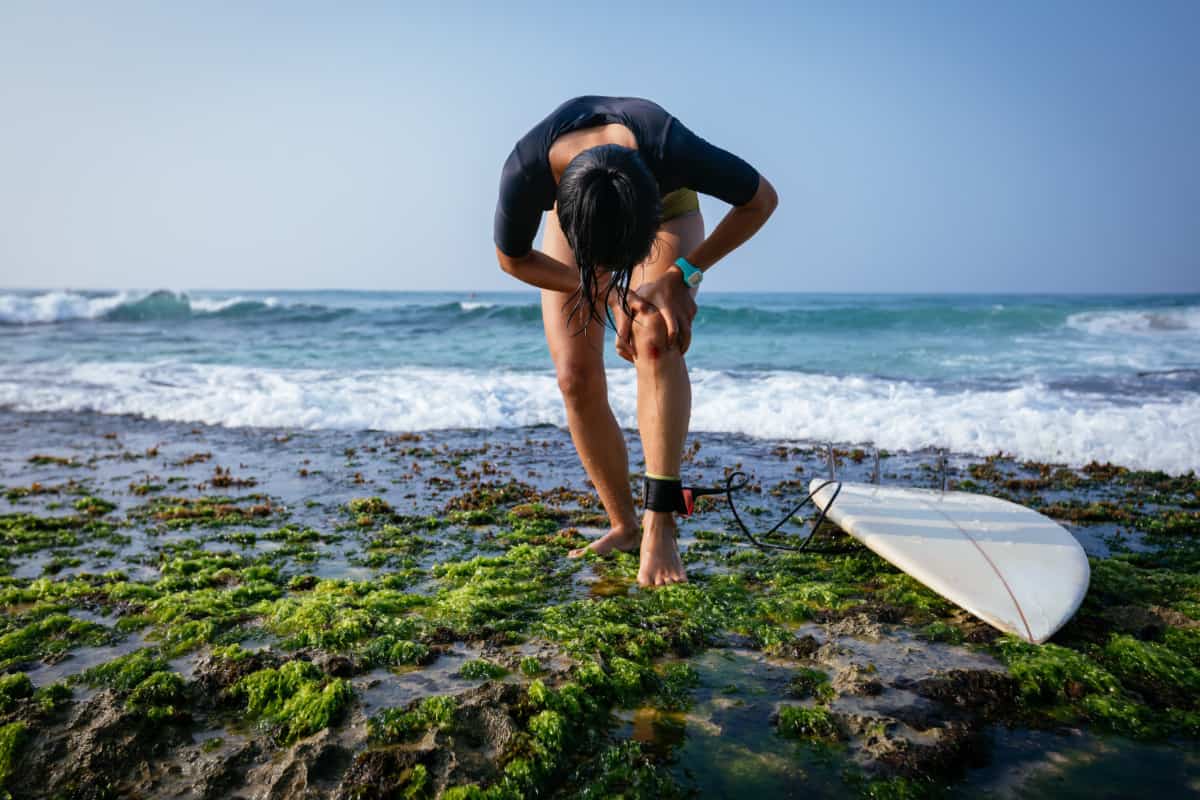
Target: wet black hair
(609,209)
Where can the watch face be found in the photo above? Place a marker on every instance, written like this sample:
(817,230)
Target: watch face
(694,279)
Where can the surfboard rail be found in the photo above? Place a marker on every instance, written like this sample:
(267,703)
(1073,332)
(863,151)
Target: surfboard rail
(1008,565)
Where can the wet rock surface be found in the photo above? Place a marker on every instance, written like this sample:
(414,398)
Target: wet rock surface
(195,612)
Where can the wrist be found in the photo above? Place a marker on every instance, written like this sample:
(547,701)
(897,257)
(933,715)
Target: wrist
(691,274)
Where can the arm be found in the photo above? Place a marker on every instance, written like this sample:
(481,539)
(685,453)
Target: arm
(735,228)
(525,191)
(671,297)
(540,270)
(710,170)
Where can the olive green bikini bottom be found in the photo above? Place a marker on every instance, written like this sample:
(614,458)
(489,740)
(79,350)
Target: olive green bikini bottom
(679,202)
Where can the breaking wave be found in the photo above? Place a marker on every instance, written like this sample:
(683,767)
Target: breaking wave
(1031,420)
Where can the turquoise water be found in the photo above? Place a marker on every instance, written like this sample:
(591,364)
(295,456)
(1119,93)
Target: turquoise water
(1050,377)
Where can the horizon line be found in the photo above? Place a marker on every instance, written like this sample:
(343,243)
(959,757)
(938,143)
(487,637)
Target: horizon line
(532,289)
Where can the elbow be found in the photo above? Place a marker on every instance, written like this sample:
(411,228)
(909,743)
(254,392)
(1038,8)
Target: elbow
(508,264)
(765,199)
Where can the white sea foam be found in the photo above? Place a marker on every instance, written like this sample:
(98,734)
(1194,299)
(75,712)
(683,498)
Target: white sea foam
(1141,321)
(471,305)
(25,309)
(1030,421)
(49,307)
(211,305)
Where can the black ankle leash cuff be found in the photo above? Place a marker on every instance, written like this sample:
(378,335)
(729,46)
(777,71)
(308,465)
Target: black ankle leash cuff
(669,494)
(664,494)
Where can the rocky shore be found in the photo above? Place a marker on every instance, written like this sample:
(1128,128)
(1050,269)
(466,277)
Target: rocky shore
(199,612)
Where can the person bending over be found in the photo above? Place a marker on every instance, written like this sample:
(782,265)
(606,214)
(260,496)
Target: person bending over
(624,243)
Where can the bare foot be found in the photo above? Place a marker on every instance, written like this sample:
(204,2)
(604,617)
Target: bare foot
(660,563)
(620,538)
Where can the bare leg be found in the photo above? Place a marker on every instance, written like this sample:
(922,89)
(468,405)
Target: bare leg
(579,364)
(664,406)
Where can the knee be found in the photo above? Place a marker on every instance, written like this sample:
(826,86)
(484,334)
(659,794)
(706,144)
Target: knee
(650,337)
(581,383)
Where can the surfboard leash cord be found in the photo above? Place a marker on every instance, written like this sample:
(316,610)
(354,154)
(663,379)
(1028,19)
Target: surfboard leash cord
(669,494)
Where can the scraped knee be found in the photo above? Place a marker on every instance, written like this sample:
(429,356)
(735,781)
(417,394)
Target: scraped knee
(650,337)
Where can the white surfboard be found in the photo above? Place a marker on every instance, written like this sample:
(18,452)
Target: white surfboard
(1012,567)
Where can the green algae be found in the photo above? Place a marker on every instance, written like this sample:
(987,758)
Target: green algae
(1132,687)
(366,510)
(12,736)
(474,517)
(681,618)
(481,669)
(93,506)
(145,487)
(1121,580)
(899,788)
(497,592)
(501,575)
(549,730)
(209,604)
(49,699)
(1154,671)
(125,672)
(340,615)
(488,496)
(623,770)
(1172,523)
(388,650)
(1052,673)
(209,511)
(13,688)
(807,682)
(1185,642)
(398,725)
(15,494)
(160,696)
(51,635)
(295,700)
(43,460)
(810,723)
(22,534)
(675,684)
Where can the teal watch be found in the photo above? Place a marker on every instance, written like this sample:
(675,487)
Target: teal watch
(691,275)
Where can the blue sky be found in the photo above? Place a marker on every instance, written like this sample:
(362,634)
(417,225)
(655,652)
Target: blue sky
(947,146)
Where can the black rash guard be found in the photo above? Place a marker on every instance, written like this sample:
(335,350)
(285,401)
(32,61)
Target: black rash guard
(676,157)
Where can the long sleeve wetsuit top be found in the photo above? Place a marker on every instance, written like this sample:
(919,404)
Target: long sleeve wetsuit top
(676,157)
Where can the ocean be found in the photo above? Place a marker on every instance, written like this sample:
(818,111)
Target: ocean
(1056,378)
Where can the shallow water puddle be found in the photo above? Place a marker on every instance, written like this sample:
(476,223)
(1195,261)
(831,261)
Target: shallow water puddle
(395,688)
(81,659)
(725,745)
(1038,764)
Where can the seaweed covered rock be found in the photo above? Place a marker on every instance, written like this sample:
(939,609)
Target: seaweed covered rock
(462,741)
(990,694)
(220,669)
(948,753)
(103,746)
(311,767)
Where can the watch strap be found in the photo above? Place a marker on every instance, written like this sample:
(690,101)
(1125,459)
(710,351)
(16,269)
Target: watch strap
(691,275)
